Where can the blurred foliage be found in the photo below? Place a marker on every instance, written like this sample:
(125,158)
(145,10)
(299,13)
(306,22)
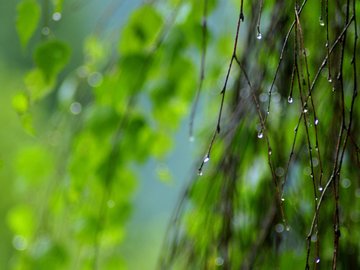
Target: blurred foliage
(91,120)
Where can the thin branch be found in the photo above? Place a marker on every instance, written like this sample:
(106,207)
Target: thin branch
(202,71)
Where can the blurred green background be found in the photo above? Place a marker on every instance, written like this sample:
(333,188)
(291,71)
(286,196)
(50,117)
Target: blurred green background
(95,104)
(39,133)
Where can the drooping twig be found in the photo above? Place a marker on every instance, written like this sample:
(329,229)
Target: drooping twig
(202,71)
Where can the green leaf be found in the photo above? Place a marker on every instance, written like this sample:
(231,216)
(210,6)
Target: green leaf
(51,57)
(141,31)
(28,16)
(37,85)
(20,103)
(34,164)
(21,220)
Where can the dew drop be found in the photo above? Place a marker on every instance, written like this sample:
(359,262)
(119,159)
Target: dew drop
(207,158)
(321,22)
(282,199)
(290,99)
(316,122)
(191,139)
(56,16)
(19,242)
(260,134)
(287,228)
(329,79)
(110,203)
(75,108)
(45,31)
(314,238)
(320,188)
(258,35)
(317,260)
(270,152)
(305,110)
(219,261)
(279,228)
(200,173)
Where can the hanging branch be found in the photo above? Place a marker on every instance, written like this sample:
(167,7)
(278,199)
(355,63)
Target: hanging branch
(223,91)
(258,32)
(280,200)
(280,60)
(336,169)
(202,72)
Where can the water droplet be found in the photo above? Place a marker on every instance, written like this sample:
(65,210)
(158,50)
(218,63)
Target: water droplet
(321,22)
(258,35)
(311,175)
(267,112)
(270,152)
(345,183)
(279,228)
(191,139)
(75,108)
(56,16)
(329,79)
(110,203)
(206,158)
(19,242)
(200,173)
(290,99)
(314,237)
(317,260)
(320,188)
(287,228)
(305,110)
(316,122)
(95,79)
(357,193)
(260,134)
(45,31)
(282,199)
(219,261)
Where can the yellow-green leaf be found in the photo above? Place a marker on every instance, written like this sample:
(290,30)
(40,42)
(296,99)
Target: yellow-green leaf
(20,103)
(51,57)
(37,85)
(28,16)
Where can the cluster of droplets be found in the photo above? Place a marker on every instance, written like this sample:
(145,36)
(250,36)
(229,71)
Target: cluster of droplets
(205,160)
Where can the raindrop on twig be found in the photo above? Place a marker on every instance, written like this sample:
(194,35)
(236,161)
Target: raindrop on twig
(258,35)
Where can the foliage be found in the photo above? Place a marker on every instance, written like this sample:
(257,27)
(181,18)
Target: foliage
(268,197)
